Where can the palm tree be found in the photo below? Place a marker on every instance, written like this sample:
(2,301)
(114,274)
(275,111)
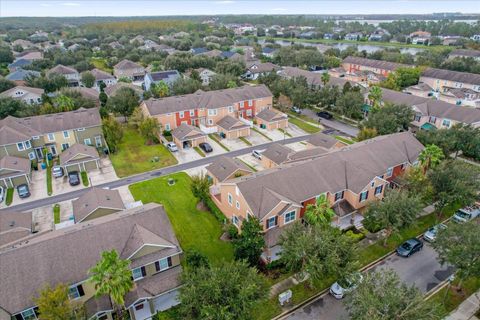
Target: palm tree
(325,78)
(375,95)
(320,212)
(112,276)
(431,156)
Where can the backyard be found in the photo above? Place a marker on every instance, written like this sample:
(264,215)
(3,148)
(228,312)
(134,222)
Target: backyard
(195,229)
(134,156)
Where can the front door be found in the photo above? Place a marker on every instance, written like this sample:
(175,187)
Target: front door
(39,153)
(53,150)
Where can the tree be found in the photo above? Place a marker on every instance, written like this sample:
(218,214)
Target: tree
(160,89)
(397,210)
(112,276)
(366,133)
(453,182)
(389,119)
(231,67)
(221,292)
(350,104)
(195,259)
(54,303)
(150,129)
(382,295)
(401,78)
(11,107)
(431,156)
(250,243)
(318,251)
(113,132)
(136,118)
(325,78)
(6,84)
(200,186)
(186,86)
(103,99)
(416,183)
(123,102)
(88,79)
(64,103)
(320,212)
(459,245)
(6,55)
(375,96)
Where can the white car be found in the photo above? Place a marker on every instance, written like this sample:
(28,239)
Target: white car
(172,147)
(257,154)
(343,286)
(431,233)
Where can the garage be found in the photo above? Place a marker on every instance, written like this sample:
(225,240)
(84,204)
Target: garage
(186,136)
(80,157)
(231,128)
(14,171)
(270,119)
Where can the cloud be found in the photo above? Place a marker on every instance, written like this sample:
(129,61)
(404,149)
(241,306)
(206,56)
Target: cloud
(45,5)
(279,9)
(225,2)
(70,4)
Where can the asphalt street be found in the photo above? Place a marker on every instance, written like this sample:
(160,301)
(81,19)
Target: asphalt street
(333,124)
(421,269)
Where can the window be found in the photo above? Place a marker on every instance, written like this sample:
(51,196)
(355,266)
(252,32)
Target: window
(363,196)
(389,172)
(87,142)
(210,122)
(446,123)
(29,314)
(249,113)
(242,104)
(338,196)
(65,146)
(432,120)
(66,134)
(378,190)
(230,199)
(271,222)
(51,137)
(28,145)
(138,273)
(230,109)
(20,146)
(418,117)
(31,155)
(181,114)
(163,264)
(98,141)
(250,103)
(237,204)
(235,220)
(372,184)
(192,113)
(212,112)
(289,216)
(35,137)
(75,292)
(167,127)
(81,129)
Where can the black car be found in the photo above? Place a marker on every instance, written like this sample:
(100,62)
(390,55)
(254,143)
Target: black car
(73,178)
(325,115)
(409,247)
(23,191)
(205,146)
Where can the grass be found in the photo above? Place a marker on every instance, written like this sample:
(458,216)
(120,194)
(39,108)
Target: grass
(101,63)
(344,140)
(304,125)
(9,196)
(449,298)
(251,168)
(248,143)
(56,213)
(285,132)
(214,138)
(84,176)
(195,229)
(49,180)
(133,156)
(262,134)
(199,151)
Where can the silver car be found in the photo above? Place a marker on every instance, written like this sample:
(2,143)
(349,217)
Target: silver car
(57,172)
(172,147)
(431,233)
(257,154)
(345,285)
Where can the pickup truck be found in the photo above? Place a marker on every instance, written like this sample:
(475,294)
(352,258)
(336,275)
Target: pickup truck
(468,213)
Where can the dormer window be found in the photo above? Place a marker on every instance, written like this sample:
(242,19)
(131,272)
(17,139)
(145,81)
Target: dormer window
(389,172)
(339,195)
(138,273)
(163,264)
(75,292)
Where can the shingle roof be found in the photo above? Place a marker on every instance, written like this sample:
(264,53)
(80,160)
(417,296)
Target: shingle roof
(127,64)
(61,69)
(322,140)
(14,226)
(465,53)
(21,74)
(277,152)
(20,63)
(113,89)
(76,150)
(231,123)
(182,131)
(263,67)
(351,167)
(210,99)
(463,77)
(65,255)
(96,198)
(313,78)
(271,115)
(21,165)
(224,167)
(7,93)
(101,75)
(385,65)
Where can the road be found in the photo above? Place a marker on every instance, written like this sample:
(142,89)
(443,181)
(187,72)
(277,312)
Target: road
(421,269)
(333,124)
(143,176)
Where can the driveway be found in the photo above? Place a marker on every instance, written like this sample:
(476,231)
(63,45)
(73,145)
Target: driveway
(334,124)
(251,161)
(421,269)
(234,144)
(43,216)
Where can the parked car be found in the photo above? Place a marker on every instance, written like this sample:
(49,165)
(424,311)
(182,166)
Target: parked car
(257,154)
(23,191)
(345,285)
(205,146)
(325,115)
(468,213)
(297,110)
(409,247)
(2,194)
(73,178)
(57,172)
(431,233)
(172,147)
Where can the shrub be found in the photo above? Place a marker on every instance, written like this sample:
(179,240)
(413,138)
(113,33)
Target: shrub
(167,133)
(356,237)
(195,259)
(371,223)
(84,178)
(232,231)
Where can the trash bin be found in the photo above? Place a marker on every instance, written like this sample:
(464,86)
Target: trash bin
(44,166)
(49,156)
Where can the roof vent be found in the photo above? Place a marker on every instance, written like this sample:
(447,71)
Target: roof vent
(108,198)
(11,223)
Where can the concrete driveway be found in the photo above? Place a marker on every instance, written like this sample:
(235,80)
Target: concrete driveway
(251,161)
(217,149)
(334,124)
(106,173)
(256,138)
(234,144)
(37,187)
(43,216)
(297,146)
(295,131)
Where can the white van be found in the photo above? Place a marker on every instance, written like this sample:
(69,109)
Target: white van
(468,213)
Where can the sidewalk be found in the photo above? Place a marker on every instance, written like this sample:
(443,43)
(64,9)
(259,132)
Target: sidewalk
(467,309)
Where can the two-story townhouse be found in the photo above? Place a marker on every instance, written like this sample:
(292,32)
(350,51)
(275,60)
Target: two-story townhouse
(27,137)
(465,53)
(314,79)
(168,76)
(350,178)
(102,77)
(141,235)
(28,95)
(206,109)
(72,75)
(129,69)
(368,70)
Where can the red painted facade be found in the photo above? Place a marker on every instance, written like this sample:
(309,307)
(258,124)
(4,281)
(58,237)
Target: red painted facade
(305,204)
(186,118)
(243,110)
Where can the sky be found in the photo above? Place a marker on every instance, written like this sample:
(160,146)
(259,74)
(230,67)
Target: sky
(42,8)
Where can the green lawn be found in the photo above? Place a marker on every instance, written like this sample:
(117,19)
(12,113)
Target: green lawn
(9,196)
(452,299)
(56,213)
(133,156)
(304,125)
(199,151)
(262,134)
(248,143)
(84,176)
(49,180)
(285,132)
(215,138)
(101,63)
(344,140)
(195,229)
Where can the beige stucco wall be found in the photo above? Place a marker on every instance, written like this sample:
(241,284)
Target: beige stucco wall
(438,84)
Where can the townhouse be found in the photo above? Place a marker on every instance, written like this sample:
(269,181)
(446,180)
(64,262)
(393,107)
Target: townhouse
(28,95)
(314,79)
(14,226)
(72,75)
(368,70)
(350,177)
(129,69)
(465,53)
(96,203)
(206,109)
(142,235)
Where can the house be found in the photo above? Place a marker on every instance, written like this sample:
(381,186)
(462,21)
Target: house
(28,95)
(74,47)
(257,69)
(353,36)
(113,89)
(378,35)
(420,90)
(14,171)
(102,77)
(196,51)
(186,136)
(72,75)
(328,36)
(475,37)
(350,178)
(369,70)
(205,109)
(453,40)
(30,55)
(20,76)
(19,64)
(116,45)
(269,52)
(465,53)
(129,69)
(232,128)
(27,137)
(314,79)
(271,119)
(168,76)
(322,140)
(96,203)
(142,235)
(420,37)
(15,226)
(25,44)
(139,38)
(275,155)
(79,157)
(205,75)
(226,168)
(231,55)
(87,93)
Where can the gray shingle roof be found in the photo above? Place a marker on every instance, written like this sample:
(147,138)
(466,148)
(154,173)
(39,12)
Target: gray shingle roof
(101,75)
(270,115)
(379,64)
(127,64)
(463,77)
(61,69)
(322,140)
(78,149)
(224,167)
(14,226)
(277,152)
(183,130)
(94,199)
(313,78)
(230,123)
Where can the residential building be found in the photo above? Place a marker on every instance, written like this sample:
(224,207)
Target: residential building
(14,171)
(231,128)
(353,36)
(169,77)
(206,75)
(28,95)
(143,236)
(275,155)
(14,226)
(186,136)
(25,44)
(96,203)
(314,79)
(226,168)
(129,69)
(269,52)
(205,109)
(271,119)
(30,55)
(322,140)
(27,137)
(102,77)
(79,157)
(350,178)
(421,90)
(379,34)
(257,69)
(20,76)
(368,70)
(465,53)
(196,51)
(113,89)
(420,37)
(72,75)
(19,64)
